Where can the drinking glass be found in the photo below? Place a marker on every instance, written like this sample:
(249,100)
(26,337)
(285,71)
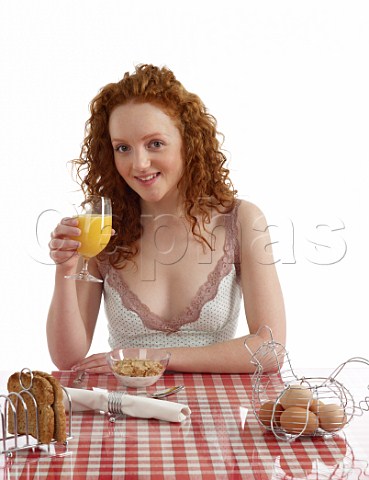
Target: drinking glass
(95,222)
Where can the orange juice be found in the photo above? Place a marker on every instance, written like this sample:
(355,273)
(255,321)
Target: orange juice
(95,234)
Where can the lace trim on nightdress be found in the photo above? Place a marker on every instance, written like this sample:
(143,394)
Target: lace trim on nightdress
(204,294)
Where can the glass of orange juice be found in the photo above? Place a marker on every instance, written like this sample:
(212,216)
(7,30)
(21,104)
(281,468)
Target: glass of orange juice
(95,222)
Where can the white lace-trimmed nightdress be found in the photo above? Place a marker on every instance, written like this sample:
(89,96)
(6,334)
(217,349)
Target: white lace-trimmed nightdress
(211,317)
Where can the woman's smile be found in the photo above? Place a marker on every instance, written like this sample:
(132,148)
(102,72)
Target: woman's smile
(148,179)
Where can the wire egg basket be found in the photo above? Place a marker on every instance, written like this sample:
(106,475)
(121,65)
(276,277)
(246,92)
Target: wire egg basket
(292,406)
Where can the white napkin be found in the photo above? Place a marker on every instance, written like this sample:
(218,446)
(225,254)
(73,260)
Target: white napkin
(132,405)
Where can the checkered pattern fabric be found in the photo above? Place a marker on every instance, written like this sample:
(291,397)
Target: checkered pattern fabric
(221,440)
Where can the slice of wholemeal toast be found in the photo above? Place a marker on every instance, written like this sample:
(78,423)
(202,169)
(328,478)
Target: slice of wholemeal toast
(49,397)
(60,434)
(43,393)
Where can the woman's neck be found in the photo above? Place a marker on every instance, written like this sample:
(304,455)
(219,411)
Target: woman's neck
(172,207)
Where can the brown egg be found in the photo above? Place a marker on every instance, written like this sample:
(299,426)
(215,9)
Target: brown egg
(315,405)
(299,420)
(296,396)
(266,413)
(332,417)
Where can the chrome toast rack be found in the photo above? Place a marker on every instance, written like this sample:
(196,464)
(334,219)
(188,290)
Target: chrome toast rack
(11,404)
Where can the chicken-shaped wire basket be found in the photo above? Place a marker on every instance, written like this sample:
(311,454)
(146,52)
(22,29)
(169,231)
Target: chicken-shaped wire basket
(291,406)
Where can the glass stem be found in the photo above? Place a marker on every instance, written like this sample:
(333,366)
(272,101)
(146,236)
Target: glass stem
(84,270)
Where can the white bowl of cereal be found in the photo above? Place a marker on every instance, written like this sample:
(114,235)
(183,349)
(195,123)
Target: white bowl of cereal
(137,367)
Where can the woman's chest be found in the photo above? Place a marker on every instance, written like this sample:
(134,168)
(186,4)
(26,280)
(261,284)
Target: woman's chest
(170,270)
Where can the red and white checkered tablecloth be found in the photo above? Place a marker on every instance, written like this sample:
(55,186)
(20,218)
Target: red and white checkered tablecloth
(221,440)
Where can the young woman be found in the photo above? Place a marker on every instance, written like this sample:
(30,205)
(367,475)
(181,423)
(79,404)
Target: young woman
(185,250)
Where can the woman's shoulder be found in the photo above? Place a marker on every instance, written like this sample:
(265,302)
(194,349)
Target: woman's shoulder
(253,229)
(254,232)
(246,214)
(249,214)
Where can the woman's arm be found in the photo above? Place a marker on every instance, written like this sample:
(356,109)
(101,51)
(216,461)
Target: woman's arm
(75,305)
(263,298)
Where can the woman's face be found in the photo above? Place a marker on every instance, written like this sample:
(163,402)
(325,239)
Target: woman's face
(147,151)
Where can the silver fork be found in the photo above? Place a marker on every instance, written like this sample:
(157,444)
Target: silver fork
(166,392)
(80,377)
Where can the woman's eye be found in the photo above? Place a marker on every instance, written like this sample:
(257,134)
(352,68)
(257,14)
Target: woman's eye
(121,148)
(156,144)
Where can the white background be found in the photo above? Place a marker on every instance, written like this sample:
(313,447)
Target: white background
(288,83)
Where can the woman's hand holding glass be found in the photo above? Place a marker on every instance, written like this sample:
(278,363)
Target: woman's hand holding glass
(85,235)
(63,248)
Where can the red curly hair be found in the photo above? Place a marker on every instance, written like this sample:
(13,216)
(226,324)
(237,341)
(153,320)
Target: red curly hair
(205,181)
